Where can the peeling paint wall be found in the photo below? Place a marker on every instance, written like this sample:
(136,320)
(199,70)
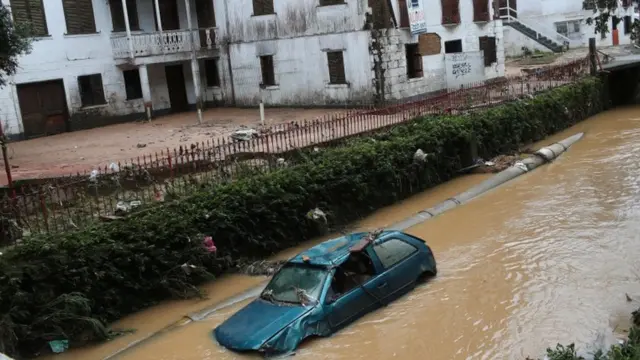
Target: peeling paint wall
(399,86)
(60,56)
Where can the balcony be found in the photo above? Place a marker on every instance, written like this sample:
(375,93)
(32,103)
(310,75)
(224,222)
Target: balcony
(162,42)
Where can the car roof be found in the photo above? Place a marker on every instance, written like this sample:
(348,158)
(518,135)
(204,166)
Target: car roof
(332,252)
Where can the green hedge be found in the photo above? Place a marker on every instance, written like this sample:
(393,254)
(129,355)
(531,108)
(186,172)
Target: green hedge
(68,285)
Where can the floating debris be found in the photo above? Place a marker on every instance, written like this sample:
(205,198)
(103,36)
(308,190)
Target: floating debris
(259,268)
(245,134)
(317,214)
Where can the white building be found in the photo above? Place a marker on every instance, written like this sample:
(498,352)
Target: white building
(561,22)
(86,71)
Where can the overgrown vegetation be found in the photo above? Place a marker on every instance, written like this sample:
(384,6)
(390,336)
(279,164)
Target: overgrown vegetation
(68,286)
(14,41)
(629,350)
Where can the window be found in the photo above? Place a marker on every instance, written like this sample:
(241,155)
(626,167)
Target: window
(132,84)
(450,11)
(285,284)
(211,72)
(452,46)
(393,251)
(79,16)
(268,73)
(404,14)
(30,12)
(414,61)
(481,10)
(357,270)
(589,4)
(91,91)
(117,15)
(627,25)
(488,46)
(336,67)
(262,7)
(331,2)
(561,28)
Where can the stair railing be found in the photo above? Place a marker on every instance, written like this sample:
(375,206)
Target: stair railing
(548,33)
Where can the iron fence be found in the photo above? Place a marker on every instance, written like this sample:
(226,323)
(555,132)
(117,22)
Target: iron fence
(103,194)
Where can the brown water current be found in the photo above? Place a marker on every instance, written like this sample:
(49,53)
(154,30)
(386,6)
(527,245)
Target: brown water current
(546,258)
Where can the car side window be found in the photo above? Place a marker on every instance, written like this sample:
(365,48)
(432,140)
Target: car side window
(393,251)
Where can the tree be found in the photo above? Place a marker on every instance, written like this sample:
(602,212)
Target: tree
(604,10)
(15,40)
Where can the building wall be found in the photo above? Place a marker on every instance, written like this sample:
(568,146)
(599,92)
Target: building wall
(399,86)
(514,41)
(60,56)
(542,15)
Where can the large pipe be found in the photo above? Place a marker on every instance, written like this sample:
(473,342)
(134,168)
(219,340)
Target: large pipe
(540,157)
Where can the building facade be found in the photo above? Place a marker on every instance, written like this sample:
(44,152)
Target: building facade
(134,59)
(562,23)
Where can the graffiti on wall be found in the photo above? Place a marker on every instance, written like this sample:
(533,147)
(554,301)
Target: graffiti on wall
(464,68)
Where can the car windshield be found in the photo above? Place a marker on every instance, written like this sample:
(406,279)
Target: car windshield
(296,284)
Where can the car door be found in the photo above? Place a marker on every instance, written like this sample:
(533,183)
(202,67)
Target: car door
(399,265)
(349,307)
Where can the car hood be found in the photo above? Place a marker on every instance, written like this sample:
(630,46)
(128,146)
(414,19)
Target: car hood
(256,323)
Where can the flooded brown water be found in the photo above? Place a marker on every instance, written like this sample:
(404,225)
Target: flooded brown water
(546,258)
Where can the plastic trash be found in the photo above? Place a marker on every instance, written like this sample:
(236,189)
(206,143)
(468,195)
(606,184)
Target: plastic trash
(420,155)
(521,166)
(59,346)
(317,214)
(94,175)
(114,167)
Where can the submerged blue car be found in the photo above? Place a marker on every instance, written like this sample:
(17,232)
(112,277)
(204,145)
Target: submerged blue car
(323,289)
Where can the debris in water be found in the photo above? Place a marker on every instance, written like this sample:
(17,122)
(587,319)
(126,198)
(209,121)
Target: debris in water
(244,134)
(260,268)
(114,167)
(140,146)
(93,176)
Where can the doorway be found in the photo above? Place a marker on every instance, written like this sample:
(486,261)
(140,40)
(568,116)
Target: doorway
(44,108)
(168,14)
(507,8)
(177,87)
(206,19)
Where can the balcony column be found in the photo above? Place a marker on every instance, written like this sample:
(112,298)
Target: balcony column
(146,91)
(127,27)
(159,22)
(195,66)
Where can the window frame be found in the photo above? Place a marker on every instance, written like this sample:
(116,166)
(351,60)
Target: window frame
(134,21)
(28,13)
(94,91)
(341,77)
(396,262)
(267,79)
(70,30)
(128,94)
(263,7)
(414,61)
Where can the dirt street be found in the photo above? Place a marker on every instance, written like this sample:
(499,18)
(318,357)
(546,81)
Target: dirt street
(85,150)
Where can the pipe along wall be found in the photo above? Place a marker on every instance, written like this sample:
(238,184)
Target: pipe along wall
(540,157)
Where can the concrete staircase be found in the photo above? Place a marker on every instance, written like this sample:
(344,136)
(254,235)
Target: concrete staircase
(536,36)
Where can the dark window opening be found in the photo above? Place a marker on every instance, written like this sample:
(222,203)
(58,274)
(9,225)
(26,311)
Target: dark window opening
(404,14)
(450,12)
(393,251)
(211,72)
(91,91)
(452,46)
(132,84)
(262,7)
(357,270)
(481,10)
(335,60)
(627,25)
(331,2)
(30,12)
(626,3)
(414,61)
(117,15)
(488,46)
(614,22)
(79,16)
(268,72)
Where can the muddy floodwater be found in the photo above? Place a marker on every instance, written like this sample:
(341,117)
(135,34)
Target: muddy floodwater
(546,258)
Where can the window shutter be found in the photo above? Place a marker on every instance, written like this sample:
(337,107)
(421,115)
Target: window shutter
(404,14)
(493,55)
(450,12)
(30,12)
(480,10)
(97,92)
(79,16)
(336,67)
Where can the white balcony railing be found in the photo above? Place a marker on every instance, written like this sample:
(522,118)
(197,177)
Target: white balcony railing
(167,42)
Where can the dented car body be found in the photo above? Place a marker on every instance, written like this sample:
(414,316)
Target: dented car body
(323,289)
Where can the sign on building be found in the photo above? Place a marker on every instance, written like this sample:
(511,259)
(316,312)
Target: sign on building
(417,21)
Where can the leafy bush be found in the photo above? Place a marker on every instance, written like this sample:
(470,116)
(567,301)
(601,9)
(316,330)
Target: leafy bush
(68,286)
